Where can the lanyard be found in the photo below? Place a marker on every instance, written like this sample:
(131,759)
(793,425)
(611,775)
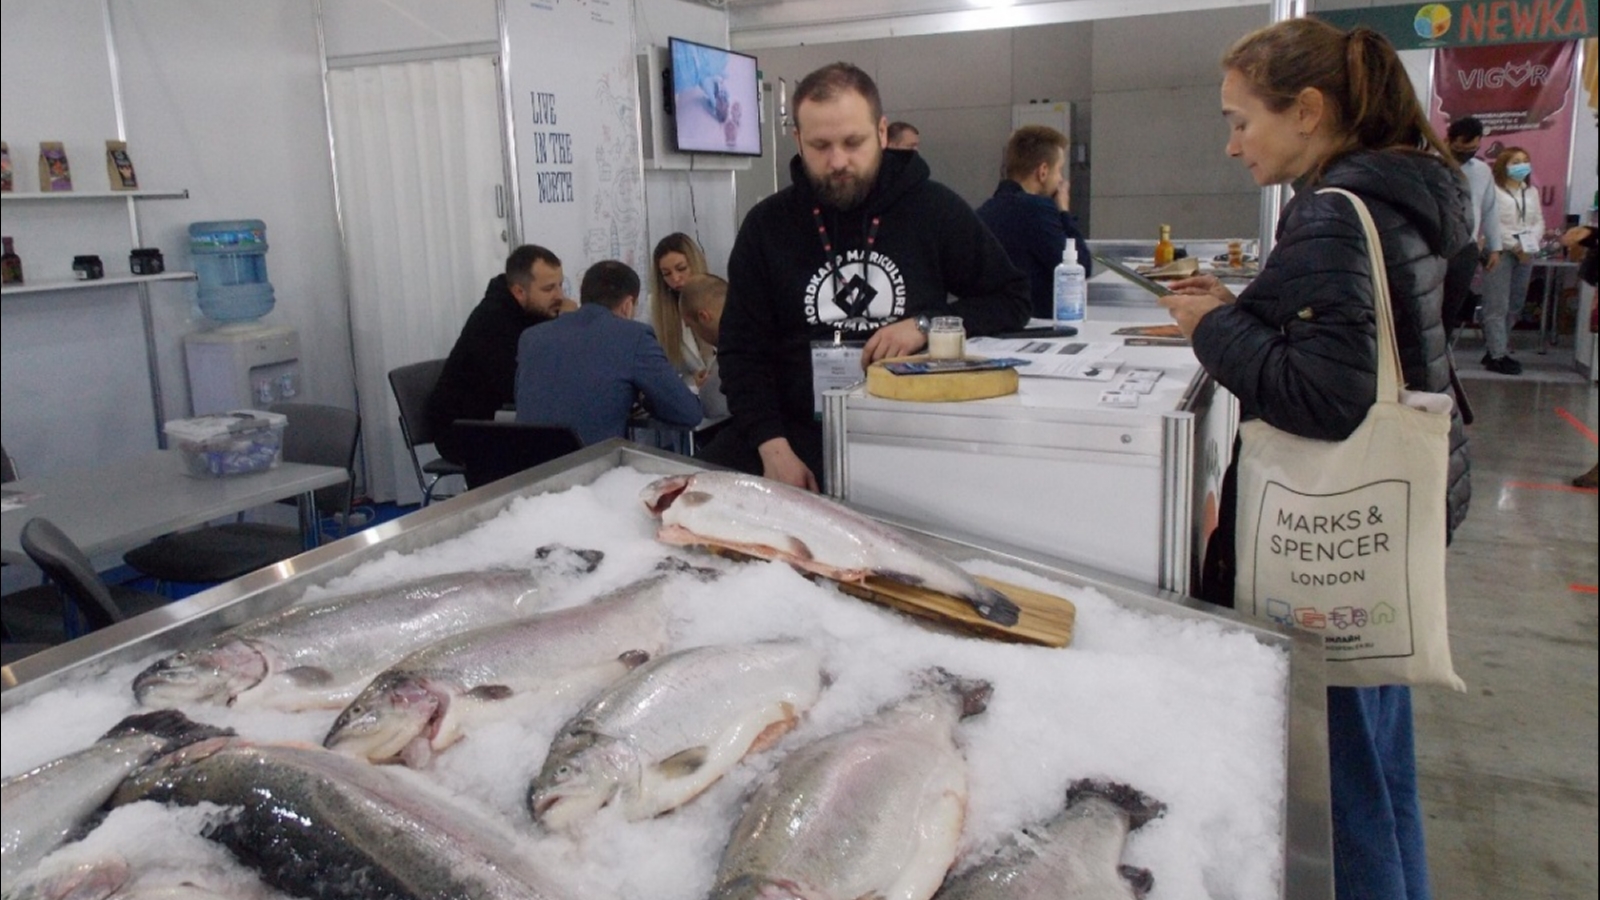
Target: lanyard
(1522,206)
(827,247)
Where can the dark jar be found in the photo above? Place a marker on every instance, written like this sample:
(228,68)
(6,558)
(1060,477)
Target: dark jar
(10,265)
(88,268)
(146,261)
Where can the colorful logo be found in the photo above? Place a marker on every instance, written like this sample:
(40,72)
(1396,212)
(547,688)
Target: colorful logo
(1432,21)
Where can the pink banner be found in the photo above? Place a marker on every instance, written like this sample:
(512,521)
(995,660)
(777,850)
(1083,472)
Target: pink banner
(1522,93)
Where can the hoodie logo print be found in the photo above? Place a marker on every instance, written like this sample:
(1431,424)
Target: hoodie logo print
(858,295)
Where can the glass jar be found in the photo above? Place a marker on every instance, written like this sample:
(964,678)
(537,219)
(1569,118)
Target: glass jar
(88,268)
(947,338)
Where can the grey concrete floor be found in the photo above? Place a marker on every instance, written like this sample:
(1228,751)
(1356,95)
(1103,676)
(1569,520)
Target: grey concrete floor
(1508,770)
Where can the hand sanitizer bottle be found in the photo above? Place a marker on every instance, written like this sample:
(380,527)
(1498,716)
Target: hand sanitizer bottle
(1071,291)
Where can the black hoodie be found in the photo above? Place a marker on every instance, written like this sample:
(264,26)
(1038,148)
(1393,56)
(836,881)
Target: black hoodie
(900,253)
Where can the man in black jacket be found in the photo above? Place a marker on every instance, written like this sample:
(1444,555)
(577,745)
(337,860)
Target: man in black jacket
(1028,212)
(861,246)
(480,375)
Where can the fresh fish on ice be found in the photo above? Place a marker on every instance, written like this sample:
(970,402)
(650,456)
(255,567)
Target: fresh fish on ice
(43,807)
(770,520)
(671,728)
(1075,856)
(320,825)
(875,811)
(422,704)
(319,655)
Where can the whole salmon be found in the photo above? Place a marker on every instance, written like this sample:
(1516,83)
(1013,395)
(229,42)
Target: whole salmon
(320,825)
(671,728)
(771,520)
(875,811)
(319,655)
(422,704)
(43,807)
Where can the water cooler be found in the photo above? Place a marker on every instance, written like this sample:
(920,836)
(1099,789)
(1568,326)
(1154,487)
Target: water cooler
(242,367)
(241,364)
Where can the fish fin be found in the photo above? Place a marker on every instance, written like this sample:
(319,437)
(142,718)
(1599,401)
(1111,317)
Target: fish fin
(973,692)
(490,692)
(633,659)
(417,754)
(684,763)
(995,606)
(1139,806)
(177,729)
(694,498)
(679,564)
(308,676)
(799,550)
(899,577)
(1139,879)
(774,732)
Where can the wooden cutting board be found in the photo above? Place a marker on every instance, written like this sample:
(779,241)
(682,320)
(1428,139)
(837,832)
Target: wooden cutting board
(939,387)
(1044,619)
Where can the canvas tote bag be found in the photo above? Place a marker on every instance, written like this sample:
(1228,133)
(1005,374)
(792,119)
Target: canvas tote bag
(1346,539)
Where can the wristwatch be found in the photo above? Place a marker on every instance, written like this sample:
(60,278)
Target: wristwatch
(924,324)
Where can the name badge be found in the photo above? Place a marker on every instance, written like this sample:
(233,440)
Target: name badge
(1528,241)
(835,365)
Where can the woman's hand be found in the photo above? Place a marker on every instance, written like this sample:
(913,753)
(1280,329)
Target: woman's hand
(1192,298)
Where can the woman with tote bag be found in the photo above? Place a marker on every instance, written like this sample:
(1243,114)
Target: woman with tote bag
(1313,106)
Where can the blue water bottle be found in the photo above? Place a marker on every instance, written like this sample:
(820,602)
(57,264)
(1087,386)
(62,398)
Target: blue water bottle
(230,259)
(1071,289)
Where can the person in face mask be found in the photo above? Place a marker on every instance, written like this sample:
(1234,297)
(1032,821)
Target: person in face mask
(1505,289)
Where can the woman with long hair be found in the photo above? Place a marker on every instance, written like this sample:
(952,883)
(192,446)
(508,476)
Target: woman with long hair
(677,258)
(1310,105)
(1505,287)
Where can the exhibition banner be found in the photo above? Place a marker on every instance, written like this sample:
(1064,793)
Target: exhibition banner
(1523,96)
(575,120)
(1473,23)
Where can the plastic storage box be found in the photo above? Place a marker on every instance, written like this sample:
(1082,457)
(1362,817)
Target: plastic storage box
(230,443)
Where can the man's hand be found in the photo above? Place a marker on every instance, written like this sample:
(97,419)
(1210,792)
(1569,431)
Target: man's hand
(1063,196)
(1492,260)
(779,463)
(900,339)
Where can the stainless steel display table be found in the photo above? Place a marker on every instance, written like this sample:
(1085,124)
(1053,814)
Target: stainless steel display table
(118,507)
(1306,847)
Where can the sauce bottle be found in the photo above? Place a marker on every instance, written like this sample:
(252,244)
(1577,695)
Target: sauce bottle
(1164,248)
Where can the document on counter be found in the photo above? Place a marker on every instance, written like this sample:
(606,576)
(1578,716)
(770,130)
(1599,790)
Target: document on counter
(1063,357)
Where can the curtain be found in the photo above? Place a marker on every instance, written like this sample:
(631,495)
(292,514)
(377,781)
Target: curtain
(418,160)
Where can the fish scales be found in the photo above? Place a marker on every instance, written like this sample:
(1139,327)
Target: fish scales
(320,825)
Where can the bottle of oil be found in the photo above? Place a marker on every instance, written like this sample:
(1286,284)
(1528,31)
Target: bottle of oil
(1164,248)
(10,265)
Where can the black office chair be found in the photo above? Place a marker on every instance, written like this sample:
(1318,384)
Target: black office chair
(70,571)
(412,384)
(315,434)
(494,450)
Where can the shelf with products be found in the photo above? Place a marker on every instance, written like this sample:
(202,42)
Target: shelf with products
(29,196)
(78,284)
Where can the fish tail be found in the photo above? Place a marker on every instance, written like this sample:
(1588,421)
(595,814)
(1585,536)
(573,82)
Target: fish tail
(177,729)
(994,606)
(1141,880)
(1139,806)
(974,693)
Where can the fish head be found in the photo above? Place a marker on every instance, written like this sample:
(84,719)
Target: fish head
(582,773)
(659,494)
(216,673)
(385,718)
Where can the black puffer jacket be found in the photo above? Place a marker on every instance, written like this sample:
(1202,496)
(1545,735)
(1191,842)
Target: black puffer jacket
(1299,348)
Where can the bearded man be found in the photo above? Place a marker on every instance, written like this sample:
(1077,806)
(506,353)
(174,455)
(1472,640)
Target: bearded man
(862,247)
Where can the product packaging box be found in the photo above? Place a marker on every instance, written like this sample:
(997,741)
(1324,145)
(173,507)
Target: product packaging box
(54,173)
(119,167)
(230,443)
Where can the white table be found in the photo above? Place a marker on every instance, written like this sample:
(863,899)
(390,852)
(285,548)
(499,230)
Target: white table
(114,508)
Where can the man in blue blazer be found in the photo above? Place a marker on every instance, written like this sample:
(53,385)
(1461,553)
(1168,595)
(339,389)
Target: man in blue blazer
(586,368)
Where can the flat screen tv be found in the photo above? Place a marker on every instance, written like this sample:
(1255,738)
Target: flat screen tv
(714,100)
